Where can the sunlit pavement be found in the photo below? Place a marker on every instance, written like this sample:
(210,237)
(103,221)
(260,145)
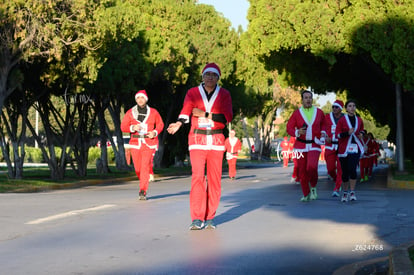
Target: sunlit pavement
(262,227)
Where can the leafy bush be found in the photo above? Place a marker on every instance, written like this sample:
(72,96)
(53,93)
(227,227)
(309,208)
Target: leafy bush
(33,155)
(95,153)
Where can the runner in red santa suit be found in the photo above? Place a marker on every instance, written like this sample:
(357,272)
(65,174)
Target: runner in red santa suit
(364,160)
(349,131)
(373,148)
(307,124)
(144,124)
(292,155)
(209,108)
(331,146)
(233,147)
(284,145)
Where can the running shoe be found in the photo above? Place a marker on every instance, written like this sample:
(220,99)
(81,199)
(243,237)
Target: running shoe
(344,197)
(142,195)
(313,193)
(335,194)
(209,224)
(305,199)
(352,197)
(197,225)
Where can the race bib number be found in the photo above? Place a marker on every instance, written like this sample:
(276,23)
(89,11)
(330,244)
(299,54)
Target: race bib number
(333,128)
(205,123)
(144,129)
(353,148)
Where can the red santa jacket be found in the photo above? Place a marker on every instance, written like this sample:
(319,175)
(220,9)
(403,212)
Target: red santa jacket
(372,148)
(344,143)
(366,143)
(152,121)
(233,146)
(330,132)
(315,128)
(206,134)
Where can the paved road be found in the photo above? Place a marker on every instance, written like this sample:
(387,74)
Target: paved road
(262,228)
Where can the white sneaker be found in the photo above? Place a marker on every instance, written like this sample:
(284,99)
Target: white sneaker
(292,180)
(344,197)
(151,178)
(352,197)
(313,193)
(335,194)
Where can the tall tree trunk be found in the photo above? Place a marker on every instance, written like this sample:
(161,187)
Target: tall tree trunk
(114,109)
(400,137)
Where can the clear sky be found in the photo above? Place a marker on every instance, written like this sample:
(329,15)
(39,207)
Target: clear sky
(234,10)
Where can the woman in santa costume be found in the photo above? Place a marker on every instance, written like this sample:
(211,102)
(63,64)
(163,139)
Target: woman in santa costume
(144,124)
(233,147)
(307,124)
(349,131)
(209,108)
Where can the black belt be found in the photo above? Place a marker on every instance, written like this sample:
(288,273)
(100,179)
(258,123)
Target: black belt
(208,132)
(304,140)
(139,136)
(334,142)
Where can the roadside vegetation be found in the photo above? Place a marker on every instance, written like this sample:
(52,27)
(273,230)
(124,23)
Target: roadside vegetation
(70,69)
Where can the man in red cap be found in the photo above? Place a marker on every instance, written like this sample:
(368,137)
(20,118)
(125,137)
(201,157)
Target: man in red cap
(233,147)
(144,124)
(307,124)
(331,146)
(209,108)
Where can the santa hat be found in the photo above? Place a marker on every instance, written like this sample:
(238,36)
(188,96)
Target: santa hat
(142,93)
(338,103)
(212,67)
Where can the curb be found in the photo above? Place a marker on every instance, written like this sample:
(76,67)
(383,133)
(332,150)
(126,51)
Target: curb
(400,262)
(78,184)
(398,184)
(373,266)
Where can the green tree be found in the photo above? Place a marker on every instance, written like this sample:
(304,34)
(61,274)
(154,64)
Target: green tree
(337,45)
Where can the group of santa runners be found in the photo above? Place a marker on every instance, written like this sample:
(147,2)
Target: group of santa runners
(208,109)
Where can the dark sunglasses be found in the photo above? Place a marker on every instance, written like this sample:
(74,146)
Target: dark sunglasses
(335,107)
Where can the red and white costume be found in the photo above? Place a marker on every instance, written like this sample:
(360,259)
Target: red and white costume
(344,145)
(364,161)
(307,147)
(331,157)
(233,147)
(295,173)
(206,146)
(285,151)
(142,148)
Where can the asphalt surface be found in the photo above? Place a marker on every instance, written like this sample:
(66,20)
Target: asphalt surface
(262,228)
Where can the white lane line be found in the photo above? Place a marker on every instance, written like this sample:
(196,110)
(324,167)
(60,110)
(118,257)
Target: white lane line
(70,213)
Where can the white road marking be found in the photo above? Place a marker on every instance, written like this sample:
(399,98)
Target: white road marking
(70,213)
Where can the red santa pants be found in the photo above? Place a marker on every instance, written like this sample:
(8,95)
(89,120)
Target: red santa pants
(295,173)
(308,170)
(363,166)
(334,167)
(232,167)
(285,155)
(142,162)
(205,196)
